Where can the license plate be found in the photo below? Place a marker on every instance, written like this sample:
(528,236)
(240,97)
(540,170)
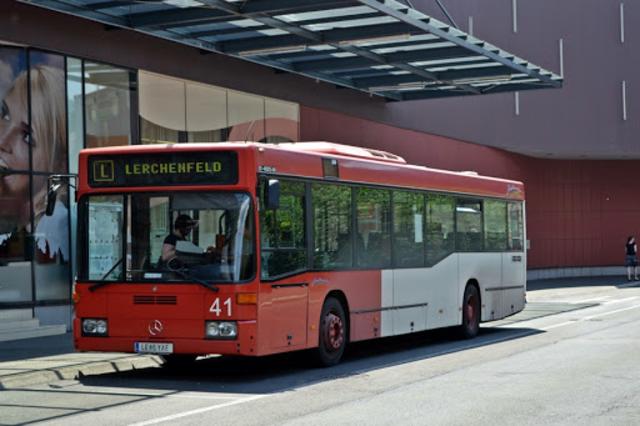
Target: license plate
(153,348)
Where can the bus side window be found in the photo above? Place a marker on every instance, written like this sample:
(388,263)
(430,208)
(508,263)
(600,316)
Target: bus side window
(469,225)
(515,228)
(408,229)
(282,232)
(333,246)
(440,227)
(495,225)
(374,226)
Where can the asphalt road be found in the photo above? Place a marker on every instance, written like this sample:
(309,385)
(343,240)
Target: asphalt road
(573,357)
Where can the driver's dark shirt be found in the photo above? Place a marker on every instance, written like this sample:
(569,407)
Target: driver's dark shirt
(172,239)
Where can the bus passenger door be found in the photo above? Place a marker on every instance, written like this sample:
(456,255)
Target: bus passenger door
(282,317)
(283,314)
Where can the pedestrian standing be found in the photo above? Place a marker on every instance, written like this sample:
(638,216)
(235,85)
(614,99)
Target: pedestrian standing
(631,258)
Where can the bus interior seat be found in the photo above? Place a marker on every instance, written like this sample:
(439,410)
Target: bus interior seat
(343,253)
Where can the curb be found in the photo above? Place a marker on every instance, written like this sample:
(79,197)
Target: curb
(73,372)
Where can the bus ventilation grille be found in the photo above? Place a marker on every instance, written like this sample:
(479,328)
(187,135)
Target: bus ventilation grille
(155,300)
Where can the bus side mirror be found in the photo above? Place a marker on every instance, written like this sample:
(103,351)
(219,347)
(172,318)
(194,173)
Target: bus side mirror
(55,182)
(52,194)
(272,194)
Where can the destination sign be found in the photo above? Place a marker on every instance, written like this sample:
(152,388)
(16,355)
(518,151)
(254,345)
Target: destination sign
(184,168)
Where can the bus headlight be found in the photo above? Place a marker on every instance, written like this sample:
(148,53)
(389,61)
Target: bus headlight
(221,330)
(94,327)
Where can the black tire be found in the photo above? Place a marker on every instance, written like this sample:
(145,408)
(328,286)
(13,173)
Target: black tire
(333,333)
(178,361)
(470,313)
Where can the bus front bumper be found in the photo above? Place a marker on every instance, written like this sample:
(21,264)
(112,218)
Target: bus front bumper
(244,344)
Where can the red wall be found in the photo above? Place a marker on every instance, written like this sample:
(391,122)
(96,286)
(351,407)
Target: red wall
(579,213)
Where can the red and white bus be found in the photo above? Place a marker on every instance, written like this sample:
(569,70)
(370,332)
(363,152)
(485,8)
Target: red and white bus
(255,249)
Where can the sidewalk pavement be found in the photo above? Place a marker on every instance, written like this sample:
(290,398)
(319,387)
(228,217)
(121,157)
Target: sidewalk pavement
(42,360)
(619,281)
(47,359)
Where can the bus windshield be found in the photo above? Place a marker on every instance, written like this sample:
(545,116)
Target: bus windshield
(177,237)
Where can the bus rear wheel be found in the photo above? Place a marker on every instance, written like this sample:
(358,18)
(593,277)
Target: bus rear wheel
(470,312)
(333,333)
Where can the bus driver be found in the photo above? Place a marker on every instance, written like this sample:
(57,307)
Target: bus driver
(181,229)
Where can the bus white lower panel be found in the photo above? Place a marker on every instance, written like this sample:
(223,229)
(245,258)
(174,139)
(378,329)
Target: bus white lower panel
(428,298)
(420,298)
(408,320)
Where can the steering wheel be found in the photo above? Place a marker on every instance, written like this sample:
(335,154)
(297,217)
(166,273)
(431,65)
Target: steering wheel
(174,264)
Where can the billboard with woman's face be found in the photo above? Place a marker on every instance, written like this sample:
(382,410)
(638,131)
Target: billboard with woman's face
(32,146)
(48,143)
(15,201)
(14,151)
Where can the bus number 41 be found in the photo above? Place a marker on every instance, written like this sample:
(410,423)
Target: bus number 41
(216,309)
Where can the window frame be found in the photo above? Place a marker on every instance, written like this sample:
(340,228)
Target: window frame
(423,196)
(470,200)
(358,261)
(521,225)
(505,244)
(352,223)
(453,203)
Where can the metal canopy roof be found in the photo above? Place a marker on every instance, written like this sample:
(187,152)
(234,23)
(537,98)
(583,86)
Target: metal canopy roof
(382,47)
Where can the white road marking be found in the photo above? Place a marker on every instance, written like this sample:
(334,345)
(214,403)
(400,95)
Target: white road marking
(562,324)
(590,317)
(626,299)
(592,299)
(197,411)
(191,396)
(610,312)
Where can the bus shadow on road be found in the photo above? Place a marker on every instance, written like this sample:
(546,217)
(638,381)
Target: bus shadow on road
(288,371)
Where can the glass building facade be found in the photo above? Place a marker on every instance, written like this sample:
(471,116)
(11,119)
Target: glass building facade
(55,105)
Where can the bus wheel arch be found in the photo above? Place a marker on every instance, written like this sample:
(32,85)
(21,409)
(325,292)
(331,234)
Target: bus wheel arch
(471,310)
(333,329)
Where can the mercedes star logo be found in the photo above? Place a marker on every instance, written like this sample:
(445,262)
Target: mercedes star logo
(155,327)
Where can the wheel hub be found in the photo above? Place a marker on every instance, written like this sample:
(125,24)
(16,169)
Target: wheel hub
(471,310)
(334,331)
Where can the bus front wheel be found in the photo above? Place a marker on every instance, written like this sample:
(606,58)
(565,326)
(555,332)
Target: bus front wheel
(333,333)
(470,312)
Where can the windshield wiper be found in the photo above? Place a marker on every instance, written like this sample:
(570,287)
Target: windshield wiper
(104,283)
(182,274)
(197,280)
